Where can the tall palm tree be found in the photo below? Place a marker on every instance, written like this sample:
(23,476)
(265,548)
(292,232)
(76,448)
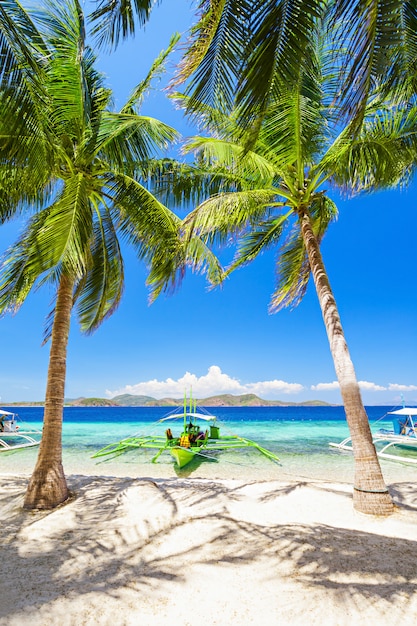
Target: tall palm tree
(84,175)
(274,195)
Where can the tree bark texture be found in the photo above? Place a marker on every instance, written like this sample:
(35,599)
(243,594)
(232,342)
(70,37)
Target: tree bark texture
(370,494)
(48,487)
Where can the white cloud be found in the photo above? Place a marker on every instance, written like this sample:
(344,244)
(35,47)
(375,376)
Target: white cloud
(366,386)
(325,386)
(216,382)
(272,387)
(213,383)
(363,384)
(396,387)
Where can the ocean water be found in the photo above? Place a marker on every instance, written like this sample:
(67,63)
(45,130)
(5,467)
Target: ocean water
(300,437)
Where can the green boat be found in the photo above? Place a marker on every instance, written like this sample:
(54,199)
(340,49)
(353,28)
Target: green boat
(199,437)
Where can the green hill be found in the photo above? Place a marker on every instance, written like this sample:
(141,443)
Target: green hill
(227,400)
(127,399)
(248,399)
(91,402)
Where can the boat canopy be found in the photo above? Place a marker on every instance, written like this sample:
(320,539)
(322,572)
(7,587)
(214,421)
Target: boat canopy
(177,416)
(6,413)
(404,411)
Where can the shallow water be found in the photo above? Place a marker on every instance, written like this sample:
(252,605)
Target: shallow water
(300,436)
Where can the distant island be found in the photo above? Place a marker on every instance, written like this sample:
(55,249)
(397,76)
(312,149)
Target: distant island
(226,400)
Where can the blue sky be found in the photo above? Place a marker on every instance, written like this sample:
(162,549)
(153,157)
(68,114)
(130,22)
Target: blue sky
(224,341)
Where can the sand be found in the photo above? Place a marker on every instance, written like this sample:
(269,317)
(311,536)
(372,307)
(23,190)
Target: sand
(145,551)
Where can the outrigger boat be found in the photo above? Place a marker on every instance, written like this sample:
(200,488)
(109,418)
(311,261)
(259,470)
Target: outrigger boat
(12,436)
(402,437)
(200,437)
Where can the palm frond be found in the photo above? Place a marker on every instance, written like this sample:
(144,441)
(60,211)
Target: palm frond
(323,211)
(215,51)
(264,235)
(293,267)
(125,139)
(118,19)
(182,184)
(63,237)
(292,132)
(157,70)
(371,32)
(20,44)
(383,154)
(67,71)
(143,221)
(22,52)
(23,189)
(168,267)
(292,273)
(229,213)
(219,123)
(16,279)
(401,72)
(278,54)
(247,166)
(99,293)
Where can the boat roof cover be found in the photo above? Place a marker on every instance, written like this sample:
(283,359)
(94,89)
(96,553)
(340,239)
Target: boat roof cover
(5,413)
(404,411)
(201,416)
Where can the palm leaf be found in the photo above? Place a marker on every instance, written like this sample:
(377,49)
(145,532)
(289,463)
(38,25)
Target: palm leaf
(279,52)
(257,240)
(167,270)
(125,139)
(183,184)
(377,37)
(117,19)
(245,166)
(382,154)
(157,70)
(292,273)
(229,213)
(100,291)
(143,221)
(63,239)
(214,52)
(293,268)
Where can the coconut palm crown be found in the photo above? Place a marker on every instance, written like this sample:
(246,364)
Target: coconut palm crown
(246,52)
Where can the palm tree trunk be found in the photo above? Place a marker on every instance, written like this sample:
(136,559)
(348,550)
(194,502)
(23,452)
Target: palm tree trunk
(47,486)
(370,494)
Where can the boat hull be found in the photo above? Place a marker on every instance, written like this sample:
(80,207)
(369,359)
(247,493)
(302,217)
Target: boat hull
(15,441)
(404,436)
(182,456)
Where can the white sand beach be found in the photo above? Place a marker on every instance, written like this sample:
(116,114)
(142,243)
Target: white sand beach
(145,551)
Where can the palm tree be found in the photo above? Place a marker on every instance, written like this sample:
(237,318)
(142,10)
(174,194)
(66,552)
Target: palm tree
(84,175)
(274,195)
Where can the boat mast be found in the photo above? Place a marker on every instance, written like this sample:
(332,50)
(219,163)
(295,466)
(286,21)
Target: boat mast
(185,411)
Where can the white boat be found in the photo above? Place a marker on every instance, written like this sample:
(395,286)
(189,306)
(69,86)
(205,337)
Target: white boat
(394,444)
(14,435)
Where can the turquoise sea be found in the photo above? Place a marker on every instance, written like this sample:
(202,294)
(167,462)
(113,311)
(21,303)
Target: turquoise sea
(300,436)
